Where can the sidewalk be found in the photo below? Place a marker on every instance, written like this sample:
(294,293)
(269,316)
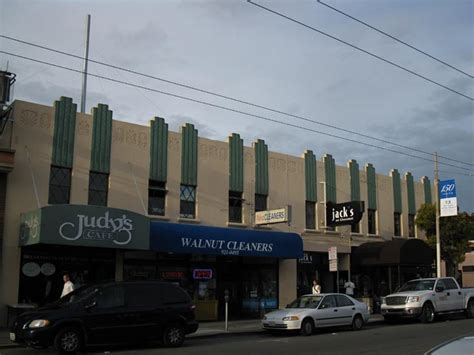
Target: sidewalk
(206,329)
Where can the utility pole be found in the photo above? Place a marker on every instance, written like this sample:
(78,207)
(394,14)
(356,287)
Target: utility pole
(86,61)
(438,242)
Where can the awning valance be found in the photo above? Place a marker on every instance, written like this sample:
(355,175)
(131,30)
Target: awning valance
(394,252)
(196,239)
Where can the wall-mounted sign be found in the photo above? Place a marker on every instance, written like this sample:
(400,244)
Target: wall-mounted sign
(79,225)
(48,269)
(202,274)
(306,259)
(448,203)
(31,269)
(172,275)
(347,213)
(272,216)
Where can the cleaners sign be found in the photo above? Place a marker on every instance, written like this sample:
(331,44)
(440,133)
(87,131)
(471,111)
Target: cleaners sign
(347,213)
(447,198)
(272,216)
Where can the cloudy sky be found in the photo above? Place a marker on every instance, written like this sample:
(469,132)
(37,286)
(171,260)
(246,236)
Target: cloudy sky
(236,49)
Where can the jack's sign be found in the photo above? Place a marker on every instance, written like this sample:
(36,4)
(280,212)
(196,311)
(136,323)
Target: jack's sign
(347,213)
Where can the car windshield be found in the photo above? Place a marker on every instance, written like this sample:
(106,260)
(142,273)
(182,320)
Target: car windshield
(78,295)
(418,285)
(306,302)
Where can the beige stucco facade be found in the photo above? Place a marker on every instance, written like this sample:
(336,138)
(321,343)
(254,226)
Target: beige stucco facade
(32,138)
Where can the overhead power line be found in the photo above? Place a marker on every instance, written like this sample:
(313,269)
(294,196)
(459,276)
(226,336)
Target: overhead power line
(360,49)
(232,99)
(229,109)
(395,38)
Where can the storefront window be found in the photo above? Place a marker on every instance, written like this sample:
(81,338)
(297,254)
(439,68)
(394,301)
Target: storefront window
(98,188)
(59,185)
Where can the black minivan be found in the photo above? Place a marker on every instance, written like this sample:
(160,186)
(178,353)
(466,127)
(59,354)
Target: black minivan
(116,312)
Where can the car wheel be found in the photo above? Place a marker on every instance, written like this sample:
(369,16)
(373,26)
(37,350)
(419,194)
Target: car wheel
(173,335)
(68,340)
(357,322)
(307,327)
(427,313)
(470,309)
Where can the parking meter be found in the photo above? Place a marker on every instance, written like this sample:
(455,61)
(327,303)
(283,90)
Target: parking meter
(226,296)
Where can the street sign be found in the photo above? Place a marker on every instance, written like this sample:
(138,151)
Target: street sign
(332,251)
(447,198)
(333,265)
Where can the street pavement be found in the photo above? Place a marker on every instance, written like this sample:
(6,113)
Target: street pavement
(376,338)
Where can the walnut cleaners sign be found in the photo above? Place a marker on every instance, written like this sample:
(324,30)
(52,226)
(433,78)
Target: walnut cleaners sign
(347,213)
(92,226)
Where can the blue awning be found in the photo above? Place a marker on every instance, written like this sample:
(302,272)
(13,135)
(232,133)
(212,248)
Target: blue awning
(196,239)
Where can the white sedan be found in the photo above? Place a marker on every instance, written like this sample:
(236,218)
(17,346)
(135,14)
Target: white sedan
(314,311)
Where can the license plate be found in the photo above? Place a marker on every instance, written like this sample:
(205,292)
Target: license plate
(271,324)
(12,336)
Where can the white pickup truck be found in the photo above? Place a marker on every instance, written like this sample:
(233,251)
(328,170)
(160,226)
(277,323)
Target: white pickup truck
(425,298)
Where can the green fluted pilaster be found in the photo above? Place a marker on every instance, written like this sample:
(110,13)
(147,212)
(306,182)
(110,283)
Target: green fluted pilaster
(101,139)
(410,193)
(189,153)
(330,171)
(371,187)
(355,180)
(236,163)
(261,167)
(64,132)
(427,188)
(310,176)
(397,191)
(158,149)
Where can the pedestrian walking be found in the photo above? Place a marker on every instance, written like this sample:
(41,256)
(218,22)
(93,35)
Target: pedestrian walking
(316,289)
(349,286)
(68,285)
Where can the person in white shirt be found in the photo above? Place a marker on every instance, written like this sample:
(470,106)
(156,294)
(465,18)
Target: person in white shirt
(316,289)
(349,286)
(68,285)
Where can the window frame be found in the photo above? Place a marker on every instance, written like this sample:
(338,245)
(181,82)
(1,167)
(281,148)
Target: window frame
(397,224)
(411,226)
(187,202)
(235,202)
(96,190)
(157,187)
(372,221)
(58,185)
(258,199)
(308,215)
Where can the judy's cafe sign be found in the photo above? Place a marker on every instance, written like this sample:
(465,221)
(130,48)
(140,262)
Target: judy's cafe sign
(347,213)
(92,226)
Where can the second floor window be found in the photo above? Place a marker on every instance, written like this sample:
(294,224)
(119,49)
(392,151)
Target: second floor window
(310,215)
(59,185)
(260,203)
(235,207)
(372,222)
(355,228)
(156,197)
(187,207)
(98,188)
(411,226)
(397,224)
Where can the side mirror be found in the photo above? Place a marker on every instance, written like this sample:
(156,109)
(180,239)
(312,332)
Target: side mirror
(439,289)
(90,305)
